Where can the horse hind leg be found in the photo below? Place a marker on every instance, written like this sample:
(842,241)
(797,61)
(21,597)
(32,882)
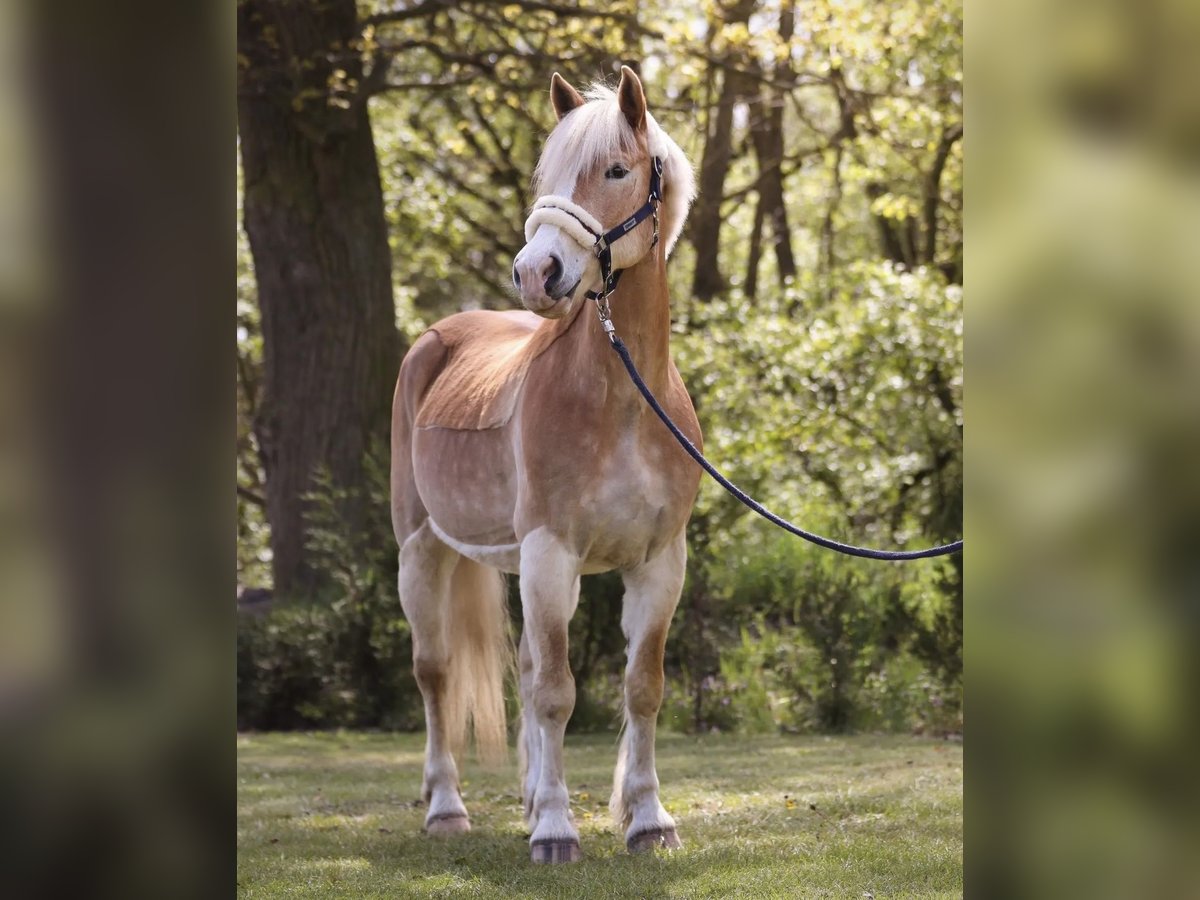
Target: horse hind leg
(651,594)
(456,611)
(426,565)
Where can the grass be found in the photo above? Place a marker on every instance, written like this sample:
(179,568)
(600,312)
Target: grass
(334,815)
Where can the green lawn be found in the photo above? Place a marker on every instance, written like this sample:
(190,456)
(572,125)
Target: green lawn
(336,815)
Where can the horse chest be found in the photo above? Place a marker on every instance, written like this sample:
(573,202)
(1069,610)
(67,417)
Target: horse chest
(634,507)
(628,491)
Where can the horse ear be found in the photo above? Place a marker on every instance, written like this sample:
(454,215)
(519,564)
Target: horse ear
(564,97)
(632,99)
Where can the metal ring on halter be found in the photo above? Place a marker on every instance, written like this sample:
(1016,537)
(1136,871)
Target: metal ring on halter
(604,311)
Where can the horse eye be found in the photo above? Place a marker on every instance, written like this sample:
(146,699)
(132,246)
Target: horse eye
(616,171)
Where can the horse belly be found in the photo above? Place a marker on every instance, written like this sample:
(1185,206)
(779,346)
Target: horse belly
(467,484)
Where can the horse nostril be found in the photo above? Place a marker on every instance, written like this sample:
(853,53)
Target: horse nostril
(516,277)
(553,273)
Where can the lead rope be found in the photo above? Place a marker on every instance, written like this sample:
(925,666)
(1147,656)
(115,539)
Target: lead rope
(608,284)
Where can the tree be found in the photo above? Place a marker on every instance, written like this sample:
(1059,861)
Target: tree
(766,131)
(718,148)
(313,212)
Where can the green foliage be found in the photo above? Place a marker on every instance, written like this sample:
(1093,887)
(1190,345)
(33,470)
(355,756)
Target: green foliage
(345,659)
(848,401)
(851,426)
(323,667)
(253,535)
(827,647)
(903,696)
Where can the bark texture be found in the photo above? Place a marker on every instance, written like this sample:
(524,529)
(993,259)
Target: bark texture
(314,218)
(766,132)
(736,84)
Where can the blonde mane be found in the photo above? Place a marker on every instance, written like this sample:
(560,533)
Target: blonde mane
(596,132)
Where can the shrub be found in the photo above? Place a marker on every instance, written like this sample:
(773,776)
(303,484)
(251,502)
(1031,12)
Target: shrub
(904,696)
(325,667)
(824,644)
(345,659)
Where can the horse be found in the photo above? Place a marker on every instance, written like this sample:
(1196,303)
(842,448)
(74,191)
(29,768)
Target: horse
(520,446)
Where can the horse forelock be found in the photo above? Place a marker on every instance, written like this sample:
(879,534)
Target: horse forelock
(595,134)
(589,135)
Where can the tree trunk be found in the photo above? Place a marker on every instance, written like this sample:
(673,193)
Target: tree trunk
(766,130)
(932,191)
(755,256)
(707,281)
(828,258)
(314,217)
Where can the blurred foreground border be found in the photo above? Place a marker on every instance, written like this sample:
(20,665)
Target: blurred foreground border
(116,620)
(1083,361)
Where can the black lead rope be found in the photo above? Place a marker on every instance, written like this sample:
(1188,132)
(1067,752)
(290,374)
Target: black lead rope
(848,549)
(608,283)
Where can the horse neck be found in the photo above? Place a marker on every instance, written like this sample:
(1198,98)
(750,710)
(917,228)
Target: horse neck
(641,313)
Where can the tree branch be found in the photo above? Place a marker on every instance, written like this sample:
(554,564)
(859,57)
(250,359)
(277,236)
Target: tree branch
(251,497)
(393,87)
(431,7)
(933,188)
(798,159)
(941,390)
(425,8)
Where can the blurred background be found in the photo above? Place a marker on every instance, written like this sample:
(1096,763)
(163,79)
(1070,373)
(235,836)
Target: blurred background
(385,159)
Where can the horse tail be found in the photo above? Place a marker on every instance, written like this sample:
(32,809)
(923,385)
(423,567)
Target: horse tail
(479,640)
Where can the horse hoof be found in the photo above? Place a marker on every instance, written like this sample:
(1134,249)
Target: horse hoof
(654,839)
(447,824)
(548,851)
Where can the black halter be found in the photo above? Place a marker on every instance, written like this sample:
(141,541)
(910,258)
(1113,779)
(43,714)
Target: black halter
(603,246)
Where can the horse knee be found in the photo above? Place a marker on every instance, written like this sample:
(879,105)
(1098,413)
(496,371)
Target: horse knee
(554,696)
(430,673)
(644,675)
(644,692)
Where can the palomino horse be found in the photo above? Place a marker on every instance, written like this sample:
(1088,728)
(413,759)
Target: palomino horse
(519,445)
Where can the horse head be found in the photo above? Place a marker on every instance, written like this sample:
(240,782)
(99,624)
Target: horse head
(596,172)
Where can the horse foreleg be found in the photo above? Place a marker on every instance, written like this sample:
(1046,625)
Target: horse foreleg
(426,566)
(529,742)
(549,594)
(651,594)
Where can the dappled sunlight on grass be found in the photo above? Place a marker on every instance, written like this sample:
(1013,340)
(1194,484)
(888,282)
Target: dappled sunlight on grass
(340,865)
(338,815)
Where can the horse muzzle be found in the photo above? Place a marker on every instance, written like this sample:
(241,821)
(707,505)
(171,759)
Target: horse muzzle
(548,271)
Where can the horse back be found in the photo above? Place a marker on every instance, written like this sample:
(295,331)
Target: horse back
(486,358)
